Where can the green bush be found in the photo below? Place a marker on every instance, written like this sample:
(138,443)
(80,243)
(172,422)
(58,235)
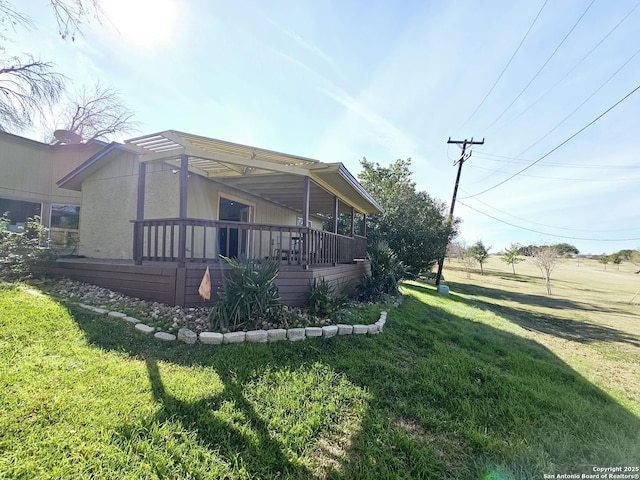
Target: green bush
(21,253)
(249,298)
(324,300)
(386,272)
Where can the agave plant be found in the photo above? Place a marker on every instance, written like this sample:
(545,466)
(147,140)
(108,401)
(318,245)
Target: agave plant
(249,298)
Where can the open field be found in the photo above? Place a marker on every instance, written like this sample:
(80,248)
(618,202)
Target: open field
(590,320)
(495,381)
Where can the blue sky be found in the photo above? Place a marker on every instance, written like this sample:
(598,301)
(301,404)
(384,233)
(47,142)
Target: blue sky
(337,81)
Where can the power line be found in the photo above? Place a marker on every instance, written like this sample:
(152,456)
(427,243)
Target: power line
(572,112)
(485,156)
(577,64)
(553,226)
(507,65)
(542,67)
(561,144)
(580,106)
(550,234)
(628,179)
(575,109)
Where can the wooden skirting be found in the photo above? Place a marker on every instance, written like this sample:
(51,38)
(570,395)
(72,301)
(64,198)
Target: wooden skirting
(173,285)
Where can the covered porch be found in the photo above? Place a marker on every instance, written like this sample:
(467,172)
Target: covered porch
(320,194)
(159,209)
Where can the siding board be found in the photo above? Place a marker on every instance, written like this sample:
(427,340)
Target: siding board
(179,285)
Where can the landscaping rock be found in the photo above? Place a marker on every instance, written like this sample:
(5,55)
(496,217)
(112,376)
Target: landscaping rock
(195,319)
(360,329)
(329,331)
(276,334)
(295,334)
(167,337)
(372,329)
(257,336)
(345,329)
(234,337)
(146,329)
(313,332)
(187,336)
(211,338)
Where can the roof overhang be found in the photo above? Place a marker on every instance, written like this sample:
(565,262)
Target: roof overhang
(275,176)
(73,180)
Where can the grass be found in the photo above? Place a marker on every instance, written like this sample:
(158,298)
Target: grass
(590,321)
(460,386)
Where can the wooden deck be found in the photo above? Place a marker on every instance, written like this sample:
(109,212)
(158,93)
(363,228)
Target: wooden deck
(169,283)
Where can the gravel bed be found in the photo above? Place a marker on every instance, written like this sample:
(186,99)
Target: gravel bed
(165,317)
(152,313)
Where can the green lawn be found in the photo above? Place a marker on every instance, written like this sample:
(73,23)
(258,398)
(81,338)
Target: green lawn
(453,388)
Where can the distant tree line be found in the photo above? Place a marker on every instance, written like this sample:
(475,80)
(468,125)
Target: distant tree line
(565,250)
(545,257)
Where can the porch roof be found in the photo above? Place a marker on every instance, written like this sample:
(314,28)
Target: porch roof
(275,176)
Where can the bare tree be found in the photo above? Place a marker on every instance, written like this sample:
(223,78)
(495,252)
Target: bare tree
(467,258)
(72,14)
(546,258)
(29,85)
(27,88)
(455,250)
(97,113)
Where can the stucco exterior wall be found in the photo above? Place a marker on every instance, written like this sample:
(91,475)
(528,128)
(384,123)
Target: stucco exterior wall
(109,199)
(29,171)
(109,204)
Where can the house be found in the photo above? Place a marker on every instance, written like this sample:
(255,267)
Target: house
(156,210)
(28,174)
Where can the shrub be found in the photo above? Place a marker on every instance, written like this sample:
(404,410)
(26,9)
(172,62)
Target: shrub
(21,254)
(324,300)
(386,272)
(249,298)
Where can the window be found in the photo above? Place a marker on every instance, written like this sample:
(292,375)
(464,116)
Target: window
(65,216)
(65,221)
(299,222)
(18,212)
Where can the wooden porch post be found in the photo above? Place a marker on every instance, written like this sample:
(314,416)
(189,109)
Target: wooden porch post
(182,231)
(353,221)
(184,178)
(336,254)
(305,221)
(138,232)
(364,225)
(305,206)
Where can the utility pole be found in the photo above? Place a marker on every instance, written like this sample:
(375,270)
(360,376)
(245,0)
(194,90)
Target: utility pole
(464,156)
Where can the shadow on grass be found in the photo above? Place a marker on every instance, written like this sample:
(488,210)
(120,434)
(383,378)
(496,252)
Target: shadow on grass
(262,455)
(448,398)
(575,330)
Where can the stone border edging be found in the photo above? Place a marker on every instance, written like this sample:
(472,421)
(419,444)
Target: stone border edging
(253,336)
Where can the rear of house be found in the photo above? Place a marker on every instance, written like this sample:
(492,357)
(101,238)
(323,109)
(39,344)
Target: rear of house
(153,212)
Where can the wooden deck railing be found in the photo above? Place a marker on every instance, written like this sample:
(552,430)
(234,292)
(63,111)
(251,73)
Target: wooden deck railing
(199,240)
